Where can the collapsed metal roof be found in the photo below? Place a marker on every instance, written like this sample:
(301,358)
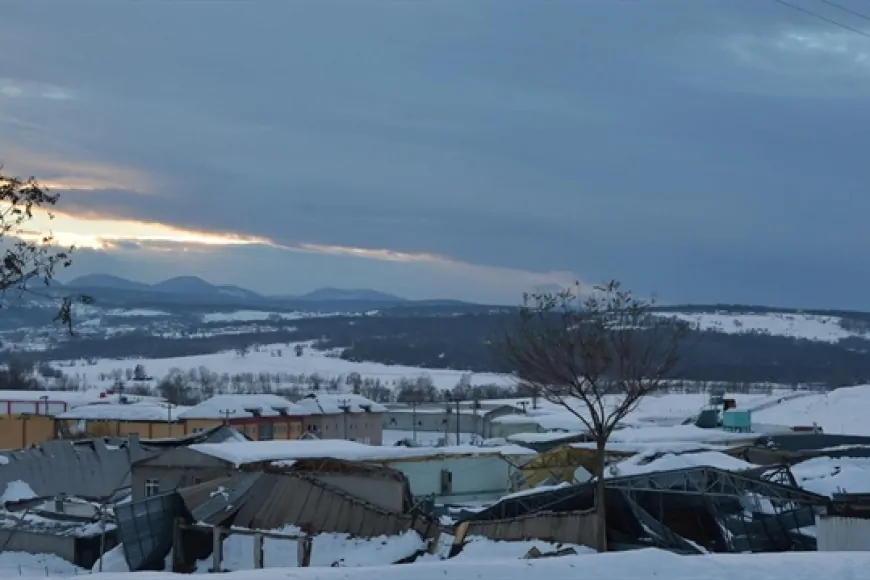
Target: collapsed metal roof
(96,468)
(686,510)
(259,501)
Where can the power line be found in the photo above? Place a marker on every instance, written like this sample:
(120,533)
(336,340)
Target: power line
(822,18)
(845,9)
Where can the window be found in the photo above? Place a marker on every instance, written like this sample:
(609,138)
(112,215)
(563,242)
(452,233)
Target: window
(152,487)
(198,429)
(265,432)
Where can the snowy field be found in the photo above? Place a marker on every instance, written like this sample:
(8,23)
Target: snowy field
(806,326)
(639,565)
(664,409)
(845,410)
(276,358)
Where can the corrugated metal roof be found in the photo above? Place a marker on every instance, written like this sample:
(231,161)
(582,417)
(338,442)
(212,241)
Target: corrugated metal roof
(92,470)
(270,501)
(216,501)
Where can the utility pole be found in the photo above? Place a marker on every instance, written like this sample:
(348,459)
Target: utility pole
(344,405)
(169,407)
(414,420)
(457,400)
(226,413)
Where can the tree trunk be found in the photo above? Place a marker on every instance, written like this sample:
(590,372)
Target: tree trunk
(600,503)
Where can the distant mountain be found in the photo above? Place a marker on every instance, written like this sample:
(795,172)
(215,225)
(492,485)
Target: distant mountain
(340,295)
(106,281)
(185,285)
(189,289)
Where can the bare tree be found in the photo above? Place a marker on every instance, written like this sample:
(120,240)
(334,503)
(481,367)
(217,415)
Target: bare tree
(596,354)
(28,256)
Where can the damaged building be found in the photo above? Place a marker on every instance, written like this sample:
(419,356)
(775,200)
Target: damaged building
(688,511)
(296,500)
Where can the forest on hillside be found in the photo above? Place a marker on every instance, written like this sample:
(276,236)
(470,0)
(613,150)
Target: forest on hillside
(471,342)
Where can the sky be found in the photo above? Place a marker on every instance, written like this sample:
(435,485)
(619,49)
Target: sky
(704,151)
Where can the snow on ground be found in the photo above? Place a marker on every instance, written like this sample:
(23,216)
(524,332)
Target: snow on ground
(261,315)
(266,361)
(112,561)
(657,409)
(842,410)
(806,326)
(15,564)
(827,476)
(327,550)
(135,312)
(479,548)
(638,565)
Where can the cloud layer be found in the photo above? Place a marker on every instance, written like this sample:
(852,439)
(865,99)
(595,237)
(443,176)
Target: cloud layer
(706,151)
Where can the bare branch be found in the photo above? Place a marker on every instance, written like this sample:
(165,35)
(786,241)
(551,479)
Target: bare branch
(597,356)
(28,256)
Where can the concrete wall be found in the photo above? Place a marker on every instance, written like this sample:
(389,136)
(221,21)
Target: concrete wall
(440,420)
(22,431)
(475,476)
(171,478)
(505,430)
(114,428)
(32,543)
(282,428)
(432,421)
(177,467)
(363,427)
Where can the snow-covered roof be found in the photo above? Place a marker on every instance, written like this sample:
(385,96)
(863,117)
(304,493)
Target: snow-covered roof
(241,406)
(645,463)
(546,437)
(145,411)
(69,397)
(677,433)
(259,451)
(334,404)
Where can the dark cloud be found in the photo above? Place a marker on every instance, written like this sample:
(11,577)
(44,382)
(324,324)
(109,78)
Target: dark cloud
(691,148)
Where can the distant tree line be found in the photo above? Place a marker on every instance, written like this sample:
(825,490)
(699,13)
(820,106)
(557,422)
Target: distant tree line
(469,343)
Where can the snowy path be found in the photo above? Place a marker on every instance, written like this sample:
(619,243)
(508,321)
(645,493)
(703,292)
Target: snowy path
(639,565)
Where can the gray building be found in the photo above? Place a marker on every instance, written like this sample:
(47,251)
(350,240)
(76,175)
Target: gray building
(449,474)
(443,418)
(345,416)
(183,467)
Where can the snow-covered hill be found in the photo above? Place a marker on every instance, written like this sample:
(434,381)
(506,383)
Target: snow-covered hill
(793,325)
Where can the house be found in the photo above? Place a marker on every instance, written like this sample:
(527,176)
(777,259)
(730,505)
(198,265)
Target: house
(443,418)
(346,416)
(446,474)
(260,417)
(148,420)
(26,417)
